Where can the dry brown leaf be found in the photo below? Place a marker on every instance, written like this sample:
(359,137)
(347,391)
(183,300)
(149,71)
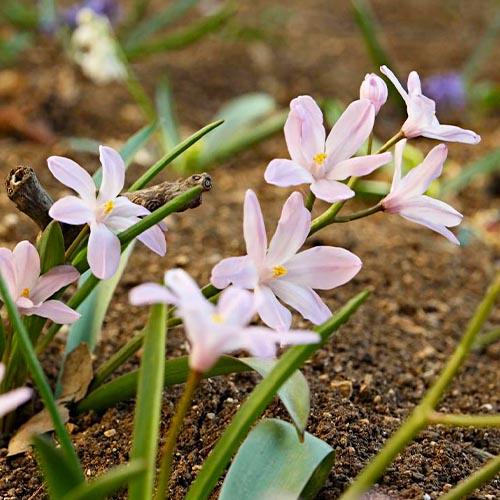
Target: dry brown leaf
(38,424)
(77,374)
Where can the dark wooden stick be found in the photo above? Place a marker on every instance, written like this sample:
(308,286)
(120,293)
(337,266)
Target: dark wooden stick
(31,198)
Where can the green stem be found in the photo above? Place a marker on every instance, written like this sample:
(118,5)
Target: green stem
(486,339)
(437,418)
(419,417)
(474,481)
(370,144)
(357,215)
(75,244)
(310,201)
(173,433)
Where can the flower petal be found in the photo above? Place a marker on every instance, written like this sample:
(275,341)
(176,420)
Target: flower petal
(72,210)
(239,271)
(123,207)
(254,230)
(392,77)
(186,290)
(331,191)
(154,239)
(73,176)
(54,310)
(11,400)
(350,131)
(435,211)
(113,174)
(322,267)
(431,225)
(286,173)
(271,312)
(8,271)
(414,86)
(293,228)
(27,264)
(236,306)
(451,133)
(303,299)
(103,251)
(357,167)
(52,281)
(398,161)
(151,293)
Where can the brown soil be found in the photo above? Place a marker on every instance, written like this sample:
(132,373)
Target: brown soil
(424,289)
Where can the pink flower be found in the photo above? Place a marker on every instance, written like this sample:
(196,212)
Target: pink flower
(282,272)
(11,400)
(323,163)
(30,291)
(407,194)
(106,213)
(422,120)
(216,329)
(374,89)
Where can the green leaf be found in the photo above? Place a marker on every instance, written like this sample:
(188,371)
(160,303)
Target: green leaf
(148,405)
(260,398)
(273,463)
(59,476)
(108,483)
(3,338)
(40,380)
(294,393)
(51,247)
(378,189)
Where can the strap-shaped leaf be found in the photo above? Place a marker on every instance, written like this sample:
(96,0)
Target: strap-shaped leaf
(51,247)
(273,463)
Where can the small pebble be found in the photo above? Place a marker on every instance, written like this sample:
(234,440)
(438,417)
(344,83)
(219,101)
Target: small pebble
(110,433)
(210,416)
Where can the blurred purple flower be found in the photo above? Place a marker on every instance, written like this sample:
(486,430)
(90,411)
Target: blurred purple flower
(447,89)
(108,8)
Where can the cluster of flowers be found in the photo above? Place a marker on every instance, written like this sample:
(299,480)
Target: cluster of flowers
(269,275)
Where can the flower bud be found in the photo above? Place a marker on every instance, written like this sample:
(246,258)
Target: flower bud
(374,89)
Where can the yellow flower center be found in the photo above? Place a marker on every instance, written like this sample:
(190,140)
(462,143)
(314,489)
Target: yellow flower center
(279,271)
(320,158)
(217,318)
(26,292)
(108,207)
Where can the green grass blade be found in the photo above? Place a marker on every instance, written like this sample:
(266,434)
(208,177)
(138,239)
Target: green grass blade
(108,483)
(273,463)
(148,406)
(51,247)
(40,380)
(260,398)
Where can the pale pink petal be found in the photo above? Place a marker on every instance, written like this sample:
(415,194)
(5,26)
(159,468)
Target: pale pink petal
(286,173)
(236,306)
(27,264)
(414,86)
(52,281)
(303,299)
(297,337)
(154,239)
(123,207)
(254,230)
(54,310)
(72,210)
(73,176)
(350,131)
(186,289)
(270,310)
(357,167)
(331,191)
(239,271)
(103,251)
(451,133)
(421,115)
(398,161)
(322,267)
(11,400)
(293,228)
(113,174)
(392,77)
(435,211)
(435,227)
(2,371)
(151,293)
(8,271)
(24,303)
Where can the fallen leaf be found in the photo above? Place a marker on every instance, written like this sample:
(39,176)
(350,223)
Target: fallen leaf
(77,374)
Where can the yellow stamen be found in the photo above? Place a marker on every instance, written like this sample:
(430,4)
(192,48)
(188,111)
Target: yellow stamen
(26,292)
(108,207)
(320,158)
(279,271)
(217,318)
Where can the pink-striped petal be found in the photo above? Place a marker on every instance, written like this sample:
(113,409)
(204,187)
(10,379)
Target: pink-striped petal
(154,239)
(303,299)
(54,310)
(271,312)
(73,176)
(293,228)
(236,306)
(350,131)
(113,174)
(151,293)
(27,264)
(11,400)
(286,173)
(254,230)
(322,267)
(103,251)
(331,191)
(239,271)
(52,281)
(357,167)
(451,133)
(72,210)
